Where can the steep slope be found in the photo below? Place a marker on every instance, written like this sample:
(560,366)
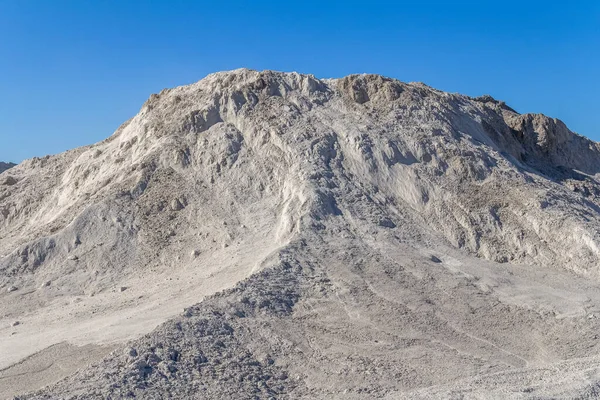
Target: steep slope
(356,238)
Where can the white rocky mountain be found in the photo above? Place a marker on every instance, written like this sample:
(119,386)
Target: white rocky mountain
(273,235)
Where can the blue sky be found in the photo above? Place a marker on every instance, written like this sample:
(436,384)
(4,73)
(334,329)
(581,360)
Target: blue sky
(72,71)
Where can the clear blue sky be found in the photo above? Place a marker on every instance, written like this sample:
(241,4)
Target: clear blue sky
(72,71)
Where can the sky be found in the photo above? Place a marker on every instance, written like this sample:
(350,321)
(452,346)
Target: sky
(72,71)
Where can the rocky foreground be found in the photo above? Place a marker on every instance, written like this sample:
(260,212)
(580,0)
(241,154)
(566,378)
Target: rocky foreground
(273,235)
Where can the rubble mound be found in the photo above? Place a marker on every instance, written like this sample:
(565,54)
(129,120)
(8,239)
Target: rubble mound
(274,235)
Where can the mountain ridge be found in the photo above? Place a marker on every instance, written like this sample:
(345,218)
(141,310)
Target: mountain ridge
(5,166)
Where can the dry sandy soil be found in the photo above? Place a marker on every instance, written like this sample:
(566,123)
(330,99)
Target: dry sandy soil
(273,235)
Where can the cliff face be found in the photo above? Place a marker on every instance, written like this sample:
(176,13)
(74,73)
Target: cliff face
(329,216)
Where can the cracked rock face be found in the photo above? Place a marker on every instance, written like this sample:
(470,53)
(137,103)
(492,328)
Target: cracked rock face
(343,238)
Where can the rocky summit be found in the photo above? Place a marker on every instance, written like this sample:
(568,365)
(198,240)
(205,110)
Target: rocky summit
(274,235)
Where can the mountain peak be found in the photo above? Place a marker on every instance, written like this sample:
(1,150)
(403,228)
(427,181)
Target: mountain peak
(287,226)
(5,166)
